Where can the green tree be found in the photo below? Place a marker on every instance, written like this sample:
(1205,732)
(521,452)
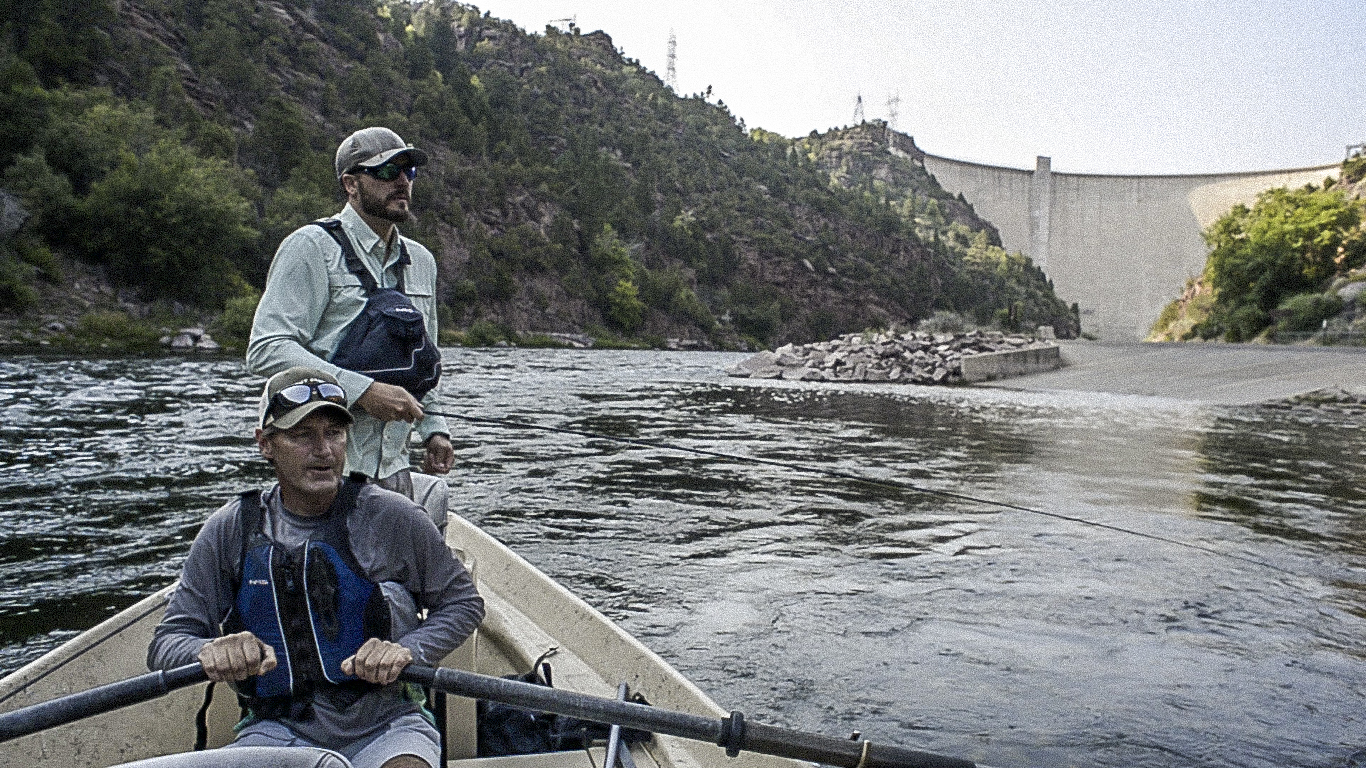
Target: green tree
(616,276)
(172,221)
(23,108)
(64,40)
(1289,242)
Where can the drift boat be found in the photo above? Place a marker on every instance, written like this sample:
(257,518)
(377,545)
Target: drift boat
(528,613)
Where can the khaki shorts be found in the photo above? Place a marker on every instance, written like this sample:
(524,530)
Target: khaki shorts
(410,734)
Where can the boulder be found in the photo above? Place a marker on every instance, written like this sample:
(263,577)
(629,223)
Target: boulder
(12,215)
(1349,292)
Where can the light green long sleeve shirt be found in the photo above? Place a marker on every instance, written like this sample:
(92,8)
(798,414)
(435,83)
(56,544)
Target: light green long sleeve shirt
(311,298)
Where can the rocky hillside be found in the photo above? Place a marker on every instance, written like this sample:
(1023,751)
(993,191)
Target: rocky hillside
(172,143)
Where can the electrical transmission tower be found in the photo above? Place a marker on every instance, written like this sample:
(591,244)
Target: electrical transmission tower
(893,102)
(671,72)
(572,21)
(858,110)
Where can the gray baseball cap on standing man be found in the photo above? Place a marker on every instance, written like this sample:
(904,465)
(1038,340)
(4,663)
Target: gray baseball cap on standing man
(370,147)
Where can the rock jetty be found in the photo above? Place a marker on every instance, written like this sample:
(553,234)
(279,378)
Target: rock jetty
(913,357)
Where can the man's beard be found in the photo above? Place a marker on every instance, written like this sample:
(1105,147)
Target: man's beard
(377,206)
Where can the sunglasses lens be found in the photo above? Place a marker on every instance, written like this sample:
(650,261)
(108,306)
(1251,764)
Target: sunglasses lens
(332,393)
(389,172)
(296,394)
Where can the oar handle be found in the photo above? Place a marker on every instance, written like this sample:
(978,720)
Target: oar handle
(105,698)
(734,732)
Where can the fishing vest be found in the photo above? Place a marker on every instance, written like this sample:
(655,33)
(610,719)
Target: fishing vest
(311,603)
(388,341)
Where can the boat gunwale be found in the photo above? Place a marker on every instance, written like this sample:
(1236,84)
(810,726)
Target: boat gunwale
(17,682)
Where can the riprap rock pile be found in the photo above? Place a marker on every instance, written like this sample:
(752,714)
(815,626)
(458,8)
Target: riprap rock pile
(913,357)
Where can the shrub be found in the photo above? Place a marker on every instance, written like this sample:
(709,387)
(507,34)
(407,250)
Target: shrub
(16,283)
(1354,169)
(486,333)
(1306,312)
(625,310)
(944,322)
(233,326)
(113,330)
(46,194)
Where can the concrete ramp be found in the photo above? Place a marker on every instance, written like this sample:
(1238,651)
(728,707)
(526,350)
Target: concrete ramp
(1223,374)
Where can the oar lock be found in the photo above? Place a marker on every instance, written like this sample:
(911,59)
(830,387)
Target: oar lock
(732,735)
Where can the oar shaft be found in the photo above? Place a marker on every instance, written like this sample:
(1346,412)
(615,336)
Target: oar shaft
(106,698)
(799,745)
(561,702)
(752,737)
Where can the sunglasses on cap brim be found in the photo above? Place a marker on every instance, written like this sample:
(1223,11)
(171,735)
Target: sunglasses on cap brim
(303,393)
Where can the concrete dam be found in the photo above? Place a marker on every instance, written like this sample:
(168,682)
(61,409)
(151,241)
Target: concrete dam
(1121,247)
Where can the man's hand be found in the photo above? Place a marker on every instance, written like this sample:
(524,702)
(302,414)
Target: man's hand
(378,661)
(440,455)
(236,657)
(387,402)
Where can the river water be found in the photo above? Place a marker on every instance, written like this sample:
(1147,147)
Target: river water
(948,624)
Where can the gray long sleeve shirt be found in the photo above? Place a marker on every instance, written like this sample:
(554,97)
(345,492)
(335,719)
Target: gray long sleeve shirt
(393,541)
(309,302)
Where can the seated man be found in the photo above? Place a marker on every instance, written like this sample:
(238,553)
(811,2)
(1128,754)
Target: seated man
(305,596)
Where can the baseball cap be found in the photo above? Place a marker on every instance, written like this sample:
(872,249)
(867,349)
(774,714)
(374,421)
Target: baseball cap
(291,395)
(374,146)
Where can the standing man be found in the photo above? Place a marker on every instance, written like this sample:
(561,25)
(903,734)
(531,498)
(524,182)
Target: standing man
(320,300)
(305,596)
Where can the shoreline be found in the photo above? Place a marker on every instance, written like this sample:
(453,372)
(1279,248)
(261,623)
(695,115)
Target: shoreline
(1211,373)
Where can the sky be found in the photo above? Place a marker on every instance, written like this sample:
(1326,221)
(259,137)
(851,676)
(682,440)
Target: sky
(1200,86)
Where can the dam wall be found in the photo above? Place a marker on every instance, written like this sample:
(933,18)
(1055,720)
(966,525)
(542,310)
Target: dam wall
(1121,247)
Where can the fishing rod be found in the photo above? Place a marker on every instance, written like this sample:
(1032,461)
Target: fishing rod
(878,482)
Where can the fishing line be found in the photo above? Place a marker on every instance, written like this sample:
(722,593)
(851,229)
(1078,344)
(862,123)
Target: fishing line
(883,483)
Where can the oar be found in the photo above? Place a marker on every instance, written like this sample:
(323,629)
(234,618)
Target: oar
(97,701)
(734,732)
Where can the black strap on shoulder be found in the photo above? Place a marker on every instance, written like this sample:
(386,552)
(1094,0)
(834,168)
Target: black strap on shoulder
(333,227)
(251,515)
(345,502)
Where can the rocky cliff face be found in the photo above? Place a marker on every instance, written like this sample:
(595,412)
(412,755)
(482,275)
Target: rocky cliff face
(873,156)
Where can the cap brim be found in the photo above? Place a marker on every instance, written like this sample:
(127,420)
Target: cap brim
(302,412)
(418,157)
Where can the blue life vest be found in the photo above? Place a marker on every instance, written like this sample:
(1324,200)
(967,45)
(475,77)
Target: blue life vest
(388,341)
(312,604)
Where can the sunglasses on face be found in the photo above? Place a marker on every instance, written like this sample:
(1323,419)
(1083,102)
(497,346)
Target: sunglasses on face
(295,395)
(390,171)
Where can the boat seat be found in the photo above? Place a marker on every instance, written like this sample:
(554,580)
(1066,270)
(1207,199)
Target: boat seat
(247,757)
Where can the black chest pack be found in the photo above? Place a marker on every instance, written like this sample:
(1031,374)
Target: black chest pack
(388,341)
